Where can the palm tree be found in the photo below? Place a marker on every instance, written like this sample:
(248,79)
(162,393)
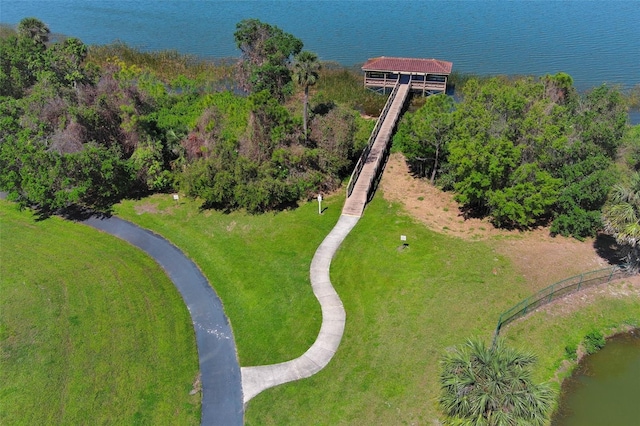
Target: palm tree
(492,386)
(305,73)
(621,218)
(34,29)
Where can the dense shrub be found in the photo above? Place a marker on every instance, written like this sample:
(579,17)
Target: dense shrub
(524,152)
(593,342)
(83,133)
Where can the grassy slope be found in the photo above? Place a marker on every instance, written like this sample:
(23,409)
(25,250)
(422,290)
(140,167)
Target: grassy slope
(404,307)
(91,330)
(549,332)
(398,302)
(258,265)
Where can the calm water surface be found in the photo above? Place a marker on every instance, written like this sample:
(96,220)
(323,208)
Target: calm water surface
(605,389)
(594,41)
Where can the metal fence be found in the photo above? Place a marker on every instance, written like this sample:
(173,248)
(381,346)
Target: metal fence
(558,290)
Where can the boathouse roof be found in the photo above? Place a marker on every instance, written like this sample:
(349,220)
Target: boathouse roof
(408,65)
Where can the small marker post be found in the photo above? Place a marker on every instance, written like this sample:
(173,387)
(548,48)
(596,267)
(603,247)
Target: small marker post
(176,197)
(319,203)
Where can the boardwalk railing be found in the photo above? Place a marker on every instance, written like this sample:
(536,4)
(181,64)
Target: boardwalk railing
(374,134)
(375,178)
(558,290)
(416,84)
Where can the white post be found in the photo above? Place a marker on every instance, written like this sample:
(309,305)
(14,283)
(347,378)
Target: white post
(319,203)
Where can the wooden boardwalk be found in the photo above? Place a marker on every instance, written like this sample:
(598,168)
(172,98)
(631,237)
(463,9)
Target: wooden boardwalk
(364,181)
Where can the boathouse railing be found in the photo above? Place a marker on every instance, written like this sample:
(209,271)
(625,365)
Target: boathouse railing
(374,134)
(558,290)
(416,83)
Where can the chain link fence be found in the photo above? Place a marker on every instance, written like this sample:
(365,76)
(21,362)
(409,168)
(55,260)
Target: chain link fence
(558,290)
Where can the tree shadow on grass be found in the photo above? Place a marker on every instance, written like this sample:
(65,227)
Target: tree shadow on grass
(73,212)
(79,213)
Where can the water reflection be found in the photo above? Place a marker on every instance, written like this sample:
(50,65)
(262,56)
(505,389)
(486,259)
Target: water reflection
(605,388)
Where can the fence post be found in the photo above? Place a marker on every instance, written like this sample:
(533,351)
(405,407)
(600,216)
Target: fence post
(495,333)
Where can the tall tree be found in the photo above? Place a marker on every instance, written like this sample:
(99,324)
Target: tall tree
(423,137)
(266,56)
(492,386)
(34,29)
(621,217)
(22,57)
(66,60)
(305,73)
(524,151)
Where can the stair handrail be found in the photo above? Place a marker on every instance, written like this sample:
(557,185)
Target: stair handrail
(379,165)
(374,134)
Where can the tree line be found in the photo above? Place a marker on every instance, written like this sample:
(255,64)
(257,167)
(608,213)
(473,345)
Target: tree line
(526,151)
(83,133)
(78,130)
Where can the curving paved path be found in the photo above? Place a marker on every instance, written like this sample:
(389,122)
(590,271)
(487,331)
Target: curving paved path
(226,386)
(220,372)
(257,379)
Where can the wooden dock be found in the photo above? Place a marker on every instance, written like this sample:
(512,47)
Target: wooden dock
(366,172)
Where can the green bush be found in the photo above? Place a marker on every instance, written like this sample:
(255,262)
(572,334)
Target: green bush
(571,351)
(593,342)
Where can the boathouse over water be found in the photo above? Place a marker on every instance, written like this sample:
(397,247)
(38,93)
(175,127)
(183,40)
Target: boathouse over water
(427,76)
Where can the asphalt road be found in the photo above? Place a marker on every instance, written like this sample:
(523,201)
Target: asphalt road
(222,401)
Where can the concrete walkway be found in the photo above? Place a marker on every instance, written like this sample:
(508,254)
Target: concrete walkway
(220,372)
(257,379)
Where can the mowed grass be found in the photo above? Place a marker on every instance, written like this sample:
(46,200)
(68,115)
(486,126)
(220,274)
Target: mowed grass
(558,326)
(258,265)
(91,330)
(405,305)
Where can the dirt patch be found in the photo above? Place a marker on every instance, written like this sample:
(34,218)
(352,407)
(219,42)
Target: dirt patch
(197,385)
(146,208)
(541,259)
(428,204)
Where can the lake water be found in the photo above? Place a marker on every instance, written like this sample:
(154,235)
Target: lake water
(605,389)
(594,41)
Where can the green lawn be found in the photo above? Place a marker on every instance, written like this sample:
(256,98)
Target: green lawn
(258,265)
(91,330)
(404,306)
